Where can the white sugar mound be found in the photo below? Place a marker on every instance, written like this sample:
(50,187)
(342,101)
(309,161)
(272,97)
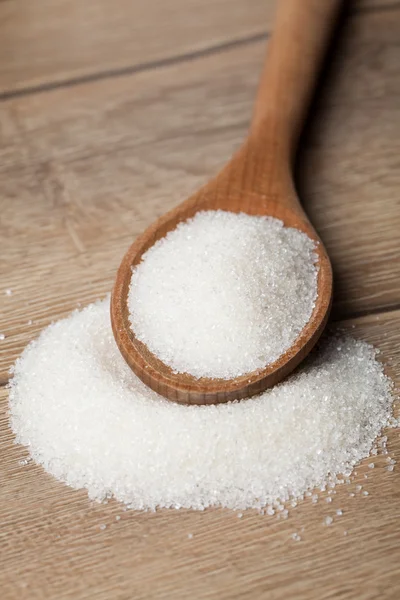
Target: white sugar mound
(224,294)
(91,423)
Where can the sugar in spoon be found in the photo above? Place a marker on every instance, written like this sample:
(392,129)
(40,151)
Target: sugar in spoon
(258,181)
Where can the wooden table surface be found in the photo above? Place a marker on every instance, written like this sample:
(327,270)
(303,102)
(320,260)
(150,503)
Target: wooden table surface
(110,113)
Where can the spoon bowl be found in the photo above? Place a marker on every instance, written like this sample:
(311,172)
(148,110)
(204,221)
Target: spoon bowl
(257,181)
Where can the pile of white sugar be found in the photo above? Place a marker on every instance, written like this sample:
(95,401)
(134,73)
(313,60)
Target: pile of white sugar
(224,294)
(91,423)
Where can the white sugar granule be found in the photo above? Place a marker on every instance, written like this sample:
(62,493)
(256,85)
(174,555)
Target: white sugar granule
(224,294)
(90,422)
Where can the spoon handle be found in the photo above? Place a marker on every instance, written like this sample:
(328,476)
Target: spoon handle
(295,52)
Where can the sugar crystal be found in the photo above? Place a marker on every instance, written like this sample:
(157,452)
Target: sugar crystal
(224,294)
(93,424)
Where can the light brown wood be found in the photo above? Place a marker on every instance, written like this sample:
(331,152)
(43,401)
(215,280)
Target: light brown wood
(257,181)
(56,41)
(52,545)
(83,170)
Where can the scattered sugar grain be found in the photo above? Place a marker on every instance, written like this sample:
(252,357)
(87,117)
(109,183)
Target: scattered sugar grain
(9,292)
(328,499)
(224,294)
(371,465)
(296,537)
(2,337)
(365,493)
(390,468)
(92,424)
(190,536)
(102,527)
(339,512)
(328,520)
(117,518)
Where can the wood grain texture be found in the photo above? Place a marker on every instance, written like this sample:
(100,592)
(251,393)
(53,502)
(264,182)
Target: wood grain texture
(84,169)
(56,41)
(61,40)
(51,544)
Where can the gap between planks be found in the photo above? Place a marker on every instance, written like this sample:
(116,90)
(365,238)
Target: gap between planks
(133,69)
(174,60)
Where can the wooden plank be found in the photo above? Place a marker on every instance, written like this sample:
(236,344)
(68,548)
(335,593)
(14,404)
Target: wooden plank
(51,544)
(58,40)
(84,169)
(349,171)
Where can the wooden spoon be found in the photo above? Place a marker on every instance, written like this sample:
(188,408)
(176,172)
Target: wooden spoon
(258,181)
